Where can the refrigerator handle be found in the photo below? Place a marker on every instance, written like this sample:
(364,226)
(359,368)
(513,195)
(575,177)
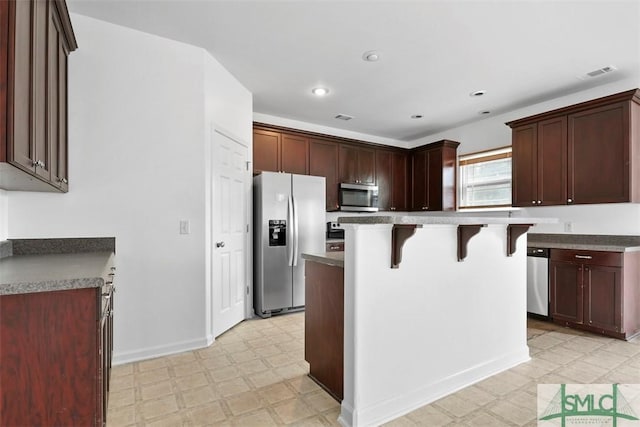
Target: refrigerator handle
(290,230)
(295,231)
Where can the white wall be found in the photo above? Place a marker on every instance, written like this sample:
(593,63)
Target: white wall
(228,109)
(137,167)
(4,215)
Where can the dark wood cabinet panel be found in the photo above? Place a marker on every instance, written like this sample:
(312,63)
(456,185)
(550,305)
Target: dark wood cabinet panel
(348,157)
(294,154)
(323,161)
(552,162)
(566,291)
(599,141)
(391,179)
(539,153)
(400,177)
(324,326)
(366,166)
(52,368)
(596,291)
(419,190)
(384,179)
(266,148)
(603,304)
(579,154)
(357,164)
(20,150)
(39,89)
(34,56)
(434,177)
(524,190)
(279,152)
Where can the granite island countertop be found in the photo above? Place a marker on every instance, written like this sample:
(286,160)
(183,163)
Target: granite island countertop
(441,219)
(592,242)
(42,265)
(328,258)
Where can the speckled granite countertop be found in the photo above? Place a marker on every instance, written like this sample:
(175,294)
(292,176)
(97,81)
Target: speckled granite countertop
(42,273)
(329,258)
(593,242)
(444,219)
(42,265)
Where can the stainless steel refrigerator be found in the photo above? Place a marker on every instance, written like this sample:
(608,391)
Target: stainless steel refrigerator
(289,219)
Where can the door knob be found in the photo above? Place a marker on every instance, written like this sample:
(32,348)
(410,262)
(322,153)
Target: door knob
(219,244)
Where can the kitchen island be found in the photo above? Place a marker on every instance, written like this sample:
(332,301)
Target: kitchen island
(432,304)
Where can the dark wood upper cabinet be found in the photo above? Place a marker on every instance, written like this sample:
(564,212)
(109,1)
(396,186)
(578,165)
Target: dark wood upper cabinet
(539,152)
(323,161)
(357,164)
(279,152)
(384,179)
(266,149)
(579,154)
(524,188)
(340,160)
(294,154)
(434,174)
(400,179)
(35,39)
(599,154)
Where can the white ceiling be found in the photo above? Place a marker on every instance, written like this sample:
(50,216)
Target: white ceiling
(433,53)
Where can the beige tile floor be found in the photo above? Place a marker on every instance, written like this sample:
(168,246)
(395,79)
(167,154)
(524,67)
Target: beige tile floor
(255,375)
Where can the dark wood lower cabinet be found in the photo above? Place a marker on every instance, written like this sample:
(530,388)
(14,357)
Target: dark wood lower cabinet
(596,291)
(55,357)
(324,326)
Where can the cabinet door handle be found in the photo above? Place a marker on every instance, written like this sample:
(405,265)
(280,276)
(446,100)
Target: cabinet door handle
(219,244)
(539,201)
(569,200)
(584,256)
(533,202)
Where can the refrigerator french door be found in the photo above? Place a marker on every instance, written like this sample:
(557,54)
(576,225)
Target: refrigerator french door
(289,219)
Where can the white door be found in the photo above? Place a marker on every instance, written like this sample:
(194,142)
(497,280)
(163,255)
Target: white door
(229,215)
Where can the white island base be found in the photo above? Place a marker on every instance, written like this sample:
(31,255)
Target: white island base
(432,326)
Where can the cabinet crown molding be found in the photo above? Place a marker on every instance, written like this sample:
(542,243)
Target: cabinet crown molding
(629,95)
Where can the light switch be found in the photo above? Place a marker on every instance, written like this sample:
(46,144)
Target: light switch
(185,227)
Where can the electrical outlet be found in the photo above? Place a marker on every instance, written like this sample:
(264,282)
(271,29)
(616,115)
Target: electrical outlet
(185,227)
(568,227)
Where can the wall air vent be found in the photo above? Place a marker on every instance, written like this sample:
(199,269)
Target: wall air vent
(343,117)
(598,72)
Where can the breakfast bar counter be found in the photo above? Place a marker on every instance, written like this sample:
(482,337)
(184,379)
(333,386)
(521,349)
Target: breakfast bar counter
(419,292)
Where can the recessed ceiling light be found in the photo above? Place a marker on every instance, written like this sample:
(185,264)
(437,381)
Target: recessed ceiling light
(320,91)
(417,116)
(478,93)
(371,56)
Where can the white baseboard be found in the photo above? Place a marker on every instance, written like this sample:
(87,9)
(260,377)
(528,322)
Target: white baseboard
(390,409)
(120,358)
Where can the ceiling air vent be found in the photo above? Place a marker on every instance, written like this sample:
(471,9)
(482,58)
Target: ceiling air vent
(599,72)
(343,117)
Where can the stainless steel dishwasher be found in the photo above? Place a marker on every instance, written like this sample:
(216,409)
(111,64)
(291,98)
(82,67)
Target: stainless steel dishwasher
(538,281)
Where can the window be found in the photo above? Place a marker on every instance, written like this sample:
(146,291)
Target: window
(485,179)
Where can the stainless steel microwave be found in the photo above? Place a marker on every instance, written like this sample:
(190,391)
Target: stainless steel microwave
(358,197)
